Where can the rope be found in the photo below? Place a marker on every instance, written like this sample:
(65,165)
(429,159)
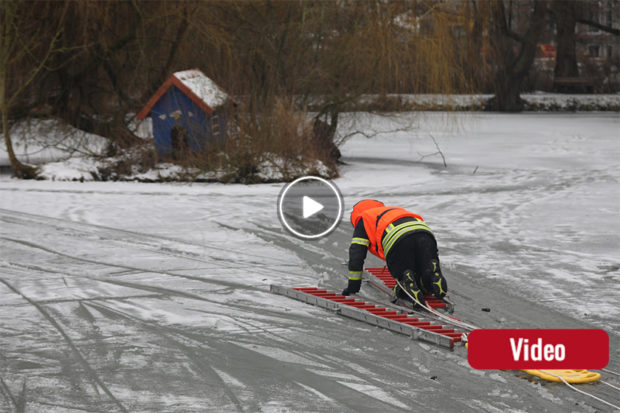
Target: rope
(611,372)
(581,391)
(449,320)
(610,385)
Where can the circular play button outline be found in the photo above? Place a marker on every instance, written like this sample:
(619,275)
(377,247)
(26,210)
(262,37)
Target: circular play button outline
(334,224)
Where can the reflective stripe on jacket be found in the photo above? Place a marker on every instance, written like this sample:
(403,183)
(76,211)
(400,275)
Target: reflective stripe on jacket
(394,232)
(377,221)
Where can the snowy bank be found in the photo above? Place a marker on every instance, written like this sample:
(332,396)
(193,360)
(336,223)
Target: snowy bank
(66,153)
(63,153)
(533,102)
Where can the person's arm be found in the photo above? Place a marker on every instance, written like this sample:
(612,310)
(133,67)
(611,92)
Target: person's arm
(357,255)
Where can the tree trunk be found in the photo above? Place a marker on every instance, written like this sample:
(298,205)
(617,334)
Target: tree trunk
(507,97)
(513,69)
(565,20)
(19,169)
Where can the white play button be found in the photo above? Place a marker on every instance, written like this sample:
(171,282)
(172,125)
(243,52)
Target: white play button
(310,207)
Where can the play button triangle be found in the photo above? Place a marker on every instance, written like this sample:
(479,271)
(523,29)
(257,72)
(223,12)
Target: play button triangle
(310,207)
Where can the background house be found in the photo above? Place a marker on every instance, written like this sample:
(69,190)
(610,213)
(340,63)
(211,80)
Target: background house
(189,112)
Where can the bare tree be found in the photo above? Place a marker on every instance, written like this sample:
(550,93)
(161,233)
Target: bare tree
(26,46)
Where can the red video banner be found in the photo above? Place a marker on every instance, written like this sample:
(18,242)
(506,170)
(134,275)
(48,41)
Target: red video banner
(538,349)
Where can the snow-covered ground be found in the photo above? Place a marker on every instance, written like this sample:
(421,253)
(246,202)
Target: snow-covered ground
(38,141)
(154,297)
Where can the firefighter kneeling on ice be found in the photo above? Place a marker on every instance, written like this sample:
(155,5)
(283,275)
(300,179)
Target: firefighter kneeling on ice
(404,241)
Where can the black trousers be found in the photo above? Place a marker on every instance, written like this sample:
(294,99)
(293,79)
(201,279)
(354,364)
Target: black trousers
(415,252)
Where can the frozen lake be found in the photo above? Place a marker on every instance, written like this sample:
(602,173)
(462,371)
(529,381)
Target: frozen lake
(154,297)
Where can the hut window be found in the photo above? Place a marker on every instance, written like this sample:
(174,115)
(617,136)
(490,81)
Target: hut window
(176,115)
(215,125)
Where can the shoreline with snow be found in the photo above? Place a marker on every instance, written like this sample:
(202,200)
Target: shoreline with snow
(533,102)
(67,154)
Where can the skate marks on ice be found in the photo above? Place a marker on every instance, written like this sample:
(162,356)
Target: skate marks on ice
(153,365)
(89,372)
(86,331)
(204,252)
(156,341)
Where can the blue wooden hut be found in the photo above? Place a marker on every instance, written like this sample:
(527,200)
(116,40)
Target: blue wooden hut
(189,111)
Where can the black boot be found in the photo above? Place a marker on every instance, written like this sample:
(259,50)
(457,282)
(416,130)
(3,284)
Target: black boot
(399,293)
(411,287)
(439,284)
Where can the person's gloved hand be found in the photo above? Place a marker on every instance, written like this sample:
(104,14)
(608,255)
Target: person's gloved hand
(353,287)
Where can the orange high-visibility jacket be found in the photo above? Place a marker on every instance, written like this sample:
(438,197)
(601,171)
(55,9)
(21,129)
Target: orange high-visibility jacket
(377,220)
